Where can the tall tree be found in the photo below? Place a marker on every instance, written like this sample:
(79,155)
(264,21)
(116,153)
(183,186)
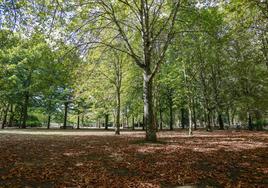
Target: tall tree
(146,29)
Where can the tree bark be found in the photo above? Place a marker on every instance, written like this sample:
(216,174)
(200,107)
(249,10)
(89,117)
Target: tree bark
(190,121)
(1,114)
(11,117)
(5,117)
(213,119)
(209,121)
(78,121)
(21,117)
(221,121)
(161,119)
(65,115)
(194,117)
(83,120)
(182,118)
(106,121)
(48,121)
(148,107)
(143,122)
(98,123)
(233,114)
(170,114)
(25,110)
(228,117)
(133,123)
(118,109)
(250,124)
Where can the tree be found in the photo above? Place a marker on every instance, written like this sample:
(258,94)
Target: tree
(143,21)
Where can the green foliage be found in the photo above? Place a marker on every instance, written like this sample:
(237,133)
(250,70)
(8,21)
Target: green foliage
(33,121)
(216,63)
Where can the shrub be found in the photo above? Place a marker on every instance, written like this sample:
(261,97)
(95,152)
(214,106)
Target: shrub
(33,121)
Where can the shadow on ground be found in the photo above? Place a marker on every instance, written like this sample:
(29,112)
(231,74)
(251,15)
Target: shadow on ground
(86,159)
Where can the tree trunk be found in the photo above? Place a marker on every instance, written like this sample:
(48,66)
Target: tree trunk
(127,121)
(233,113)
(78,121)
(190,121)
(98,123)
(194,117)
(65,115)
(171,114)
(143,123)
(5,117)
(21,117)
(1,114)
(161,119)
(126,118)
(133,123)
(25,110)
(48,121)
(11,117)
(221,121)
(208,121)
(148,107)
(118,109)
(106,121)
(182,118)
(250,125)
(213,119)
(83,120)
(228,117)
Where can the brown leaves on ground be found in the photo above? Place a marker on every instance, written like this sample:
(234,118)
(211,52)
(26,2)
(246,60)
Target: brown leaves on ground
(217,159)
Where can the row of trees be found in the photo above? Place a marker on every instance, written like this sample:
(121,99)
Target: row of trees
(32,76)
(147,62)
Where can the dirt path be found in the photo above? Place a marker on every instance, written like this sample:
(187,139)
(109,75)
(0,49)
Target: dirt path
(72,132)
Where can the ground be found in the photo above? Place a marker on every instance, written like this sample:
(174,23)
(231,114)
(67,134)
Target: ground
(101,159)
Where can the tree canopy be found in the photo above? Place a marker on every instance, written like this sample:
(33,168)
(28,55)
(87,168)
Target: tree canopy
(134,64)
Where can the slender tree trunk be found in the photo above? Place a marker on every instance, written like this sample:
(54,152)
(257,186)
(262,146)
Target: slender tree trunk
(106,121)
(221,121)
(250,124)
(133,123)
(11,117)
(25,110)
(127,121)
(78,121)
(1,114)
(143,123)
(213,121)
(233,114)
(82,120)
(209,121)
(65,115)
(194,117)
(190,121)
(205,119)
(148,107)
(182,118)
(48,121)
(98,123)
(228,117)
(21,117)
(161,119)
(5,117)
(171,114)
(118,109)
